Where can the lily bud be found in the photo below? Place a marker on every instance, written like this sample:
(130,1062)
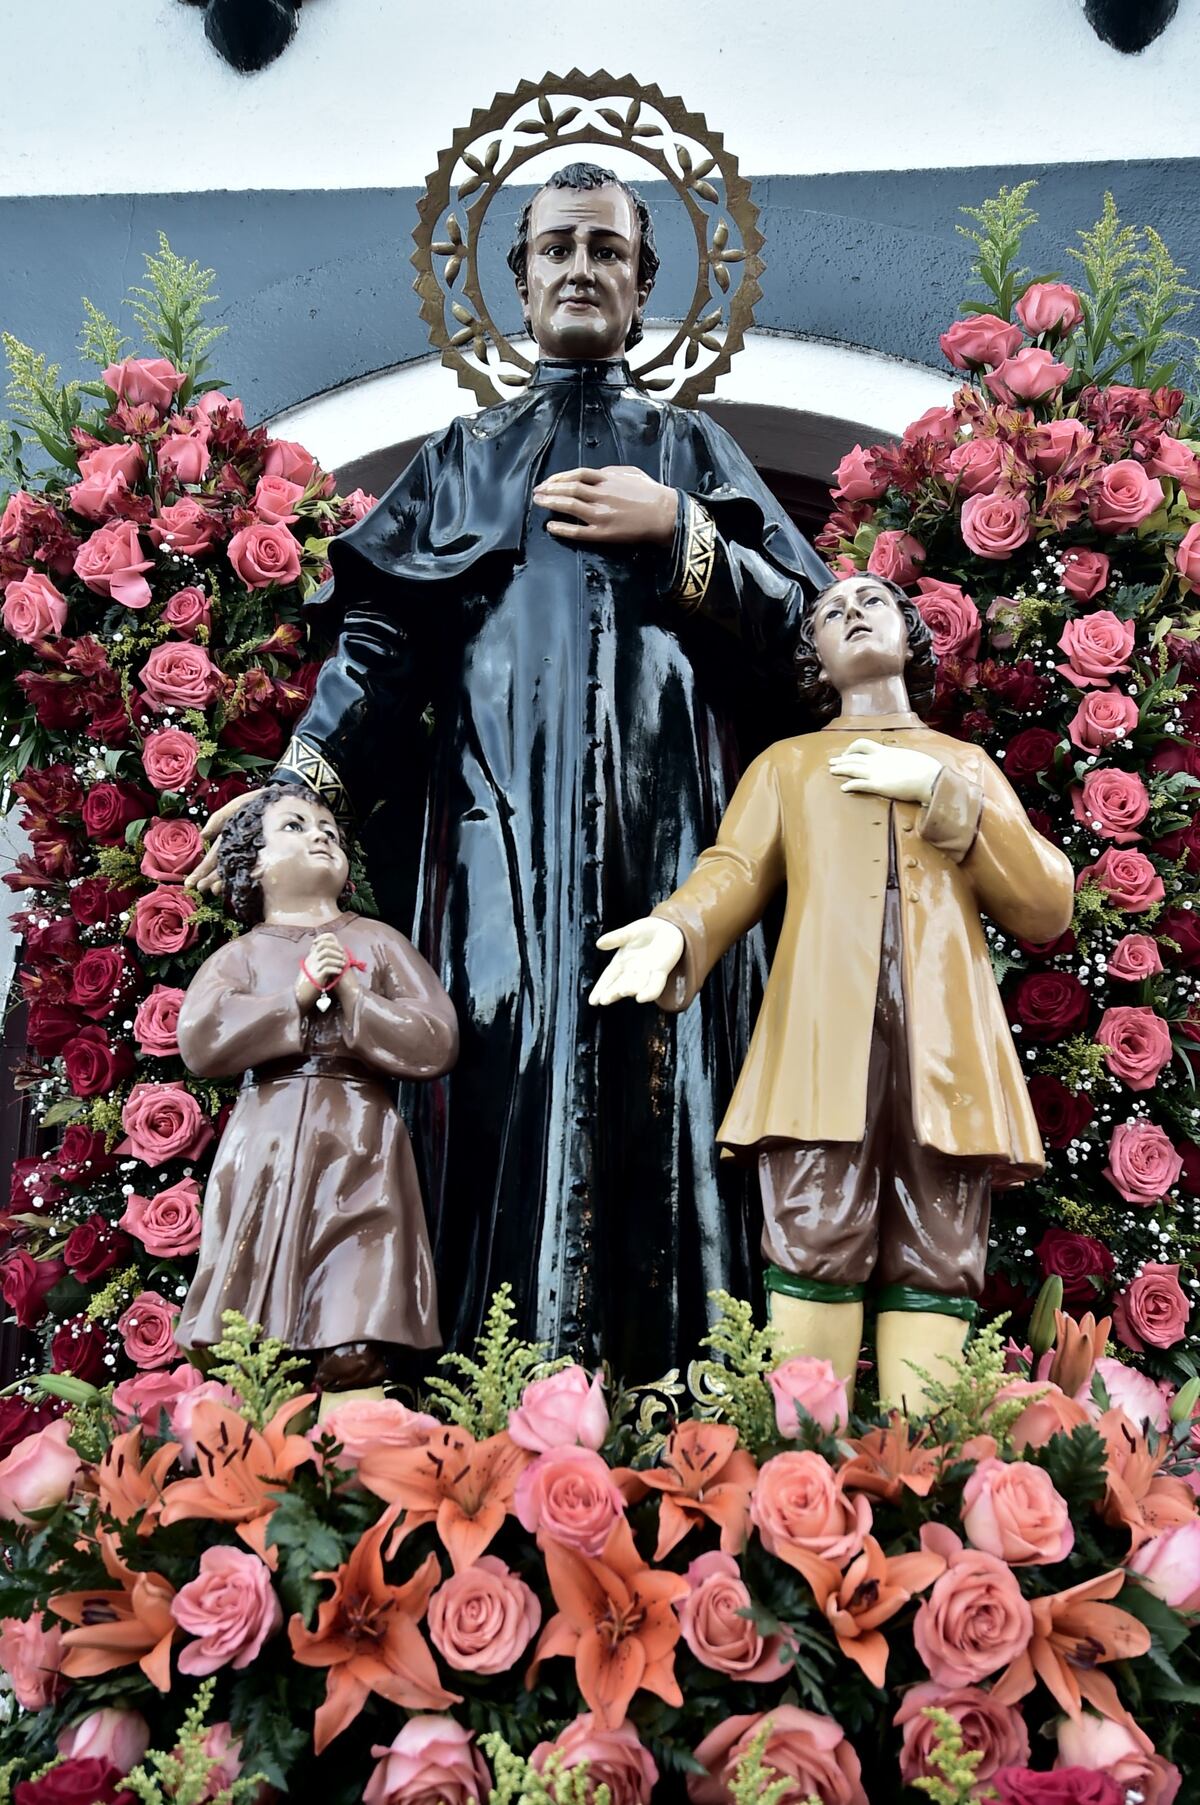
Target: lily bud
(1184,1402)
(65,1385)
(1042,1326)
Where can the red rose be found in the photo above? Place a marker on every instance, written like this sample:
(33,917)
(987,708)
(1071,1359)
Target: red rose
(86,1780)
(1019,686)
(1112,803)
(163,921)
(96,902)
(94,1065)
(51,1026)
(178,674)
(79,1347)
(170,849)
(1085,573)
(1064,1786)
(186,526)
(1085,1266)
(264,554)
(1122,496)
(1138,1043)
(1183,927)
(51,792)
(17,1420)
(33,1184)
(162,1122)
(25,1283)
(1127,877)
(81,1157)
(1029,753)
(49,939)
(1049,1005)
(258,731)
(1061,1116)
(94,1247)
(102,977)
(213,796)
(108,809)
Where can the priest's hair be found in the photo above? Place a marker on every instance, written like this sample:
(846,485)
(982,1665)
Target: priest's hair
(821,700)
(582,176)
(242,839)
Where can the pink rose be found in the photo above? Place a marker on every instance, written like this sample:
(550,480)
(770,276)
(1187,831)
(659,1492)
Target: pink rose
(810,1751)
(358,504)
(977,466)
(431,1760)
(1169,1565)
(569,1495)
(857,478)
(181,458)
(983,339)
(38,1473)
(108,473)
(614,1758)
(715,1622)
(566,1409)
(811,1385)
(31,1655)
(263,555)
(231,1606)
(170,848)
(152,1397)
(149,381)
(362,1424)
(799,1503)
(952,618)
(1134,958)
(186,526)
(209,407)
(974,1621)
(1142,1399)
(275,499)
(1085,573)
(178,674)
(169,758)
(285,458)
(896,557)
(187,611)
(1103,716)
(1153,1309)
(1187,558)
(995,526)
(167,1225)
(1012,1510)
(155,1026)
(1112,803)
(997,1732)
(1055,441)
(1027,376)
(937,423)
(483,1618)
(162,1122)
(1138,1043)
(1097,647)
(1142,1161)
(110,563)
(1123,1752)
(221,1746)
(1122,496)
(33,608)
(1049,307)
(120,1737)
(1127,877)
(147,1329)
(163,920)
(1178,461)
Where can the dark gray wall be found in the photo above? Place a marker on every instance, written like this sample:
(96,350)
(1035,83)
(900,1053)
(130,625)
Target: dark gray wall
(316,286)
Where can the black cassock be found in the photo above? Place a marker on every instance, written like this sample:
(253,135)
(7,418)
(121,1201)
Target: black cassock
(585,706)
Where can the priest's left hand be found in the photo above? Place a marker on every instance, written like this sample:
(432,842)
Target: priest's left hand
(896,772)
(618,504)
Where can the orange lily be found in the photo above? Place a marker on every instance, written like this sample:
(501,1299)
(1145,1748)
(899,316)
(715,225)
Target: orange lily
(126,1486)
(615,1618)
(889,1461)
(705,1476)
(242,1471)
(367,1636)
(873,1588)
(1078,1346)
(1137,1496)
(133,1623)
(1073,1635)
(464,1486)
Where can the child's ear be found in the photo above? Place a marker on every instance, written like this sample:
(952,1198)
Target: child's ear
(823,675)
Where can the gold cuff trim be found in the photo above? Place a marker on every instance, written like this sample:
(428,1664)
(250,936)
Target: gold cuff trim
(307,762)
(699,555)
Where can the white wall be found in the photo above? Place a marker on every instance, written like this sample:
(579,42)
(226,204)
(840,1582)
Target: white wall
(371,90)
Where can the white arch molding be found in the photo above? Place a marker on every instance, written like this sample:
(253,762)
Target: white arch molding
(794,405)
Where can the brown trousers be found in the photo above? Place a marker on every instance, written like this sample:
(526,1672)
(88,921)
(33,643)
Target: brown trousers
(883,1208)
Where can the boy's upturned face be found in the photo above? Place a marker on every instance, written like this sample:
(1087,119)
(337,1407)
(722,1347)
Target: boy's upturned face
(302,858)
(860,633)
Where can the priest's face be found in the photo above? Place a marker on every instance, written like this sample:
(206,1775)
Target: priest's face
(302,859)
(860,633)
(581,288)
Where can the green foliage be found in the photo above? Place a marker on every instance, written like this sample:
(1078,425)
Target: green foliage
(954,1783)
(517,1783)
(182,1776)
(268,1714)
(101,341)
(1079,1062)
(1000,225)
(733,1388)
(965,1404)
(170,308)
(41,402)
(121,1289)
(495,1378)
(308,1547)
(8,1774)
(1134,295)
(1076,1463)
(257,1366)
(755,1782)
(1167,1627)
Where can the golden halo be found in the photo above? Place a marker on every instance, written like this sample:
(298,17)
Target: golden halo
(570,113)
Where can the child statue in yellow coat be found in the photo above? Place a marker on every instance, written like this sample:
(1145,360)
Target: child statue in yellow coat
(882,1096)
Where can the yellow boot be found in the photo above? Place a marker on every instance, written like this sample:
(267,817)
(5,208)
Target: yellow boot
(830,1332)
(907,1339)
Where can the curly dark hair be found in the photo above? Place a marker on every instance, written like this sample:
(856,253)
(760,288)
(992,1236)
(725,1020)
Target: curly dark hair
(241,842)
(821,699)
(581,176)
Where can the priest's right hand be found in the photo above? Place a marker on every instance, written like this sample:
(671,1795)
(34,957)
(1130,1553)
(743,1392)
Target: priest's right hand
(205,876)
(647,953)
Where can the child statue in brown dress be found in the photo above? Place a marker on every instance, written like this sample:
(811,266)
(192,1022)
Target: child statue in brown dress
(882,1096)
(313,1219)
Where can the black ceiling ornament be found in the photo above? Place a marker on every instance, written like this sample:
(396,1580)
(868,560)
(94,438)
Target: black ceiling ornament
(249,34)
(1129,25)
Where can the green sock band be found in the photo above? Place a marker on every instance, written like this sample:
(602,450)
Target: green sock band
(810,1291)
(929,1303)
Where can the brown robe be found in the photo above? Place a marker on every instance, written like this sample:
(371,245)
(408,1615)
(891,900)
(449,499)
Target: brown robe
(313,1221)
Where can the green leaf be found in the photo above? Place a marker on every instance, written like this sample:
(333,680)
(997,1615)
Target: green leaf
(1167,1627)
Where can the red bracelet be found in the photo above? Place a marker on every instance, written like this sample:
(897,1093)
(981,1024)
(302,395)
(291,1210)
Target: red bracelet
(349,963)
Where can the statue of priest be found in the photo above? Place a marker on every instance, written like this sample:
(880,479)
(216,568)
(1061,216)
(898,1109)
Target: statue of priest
(584,585)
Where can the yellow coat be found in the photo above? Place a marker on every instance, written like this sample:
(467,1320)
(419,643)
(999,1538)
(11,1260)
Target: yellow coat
(971,849)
